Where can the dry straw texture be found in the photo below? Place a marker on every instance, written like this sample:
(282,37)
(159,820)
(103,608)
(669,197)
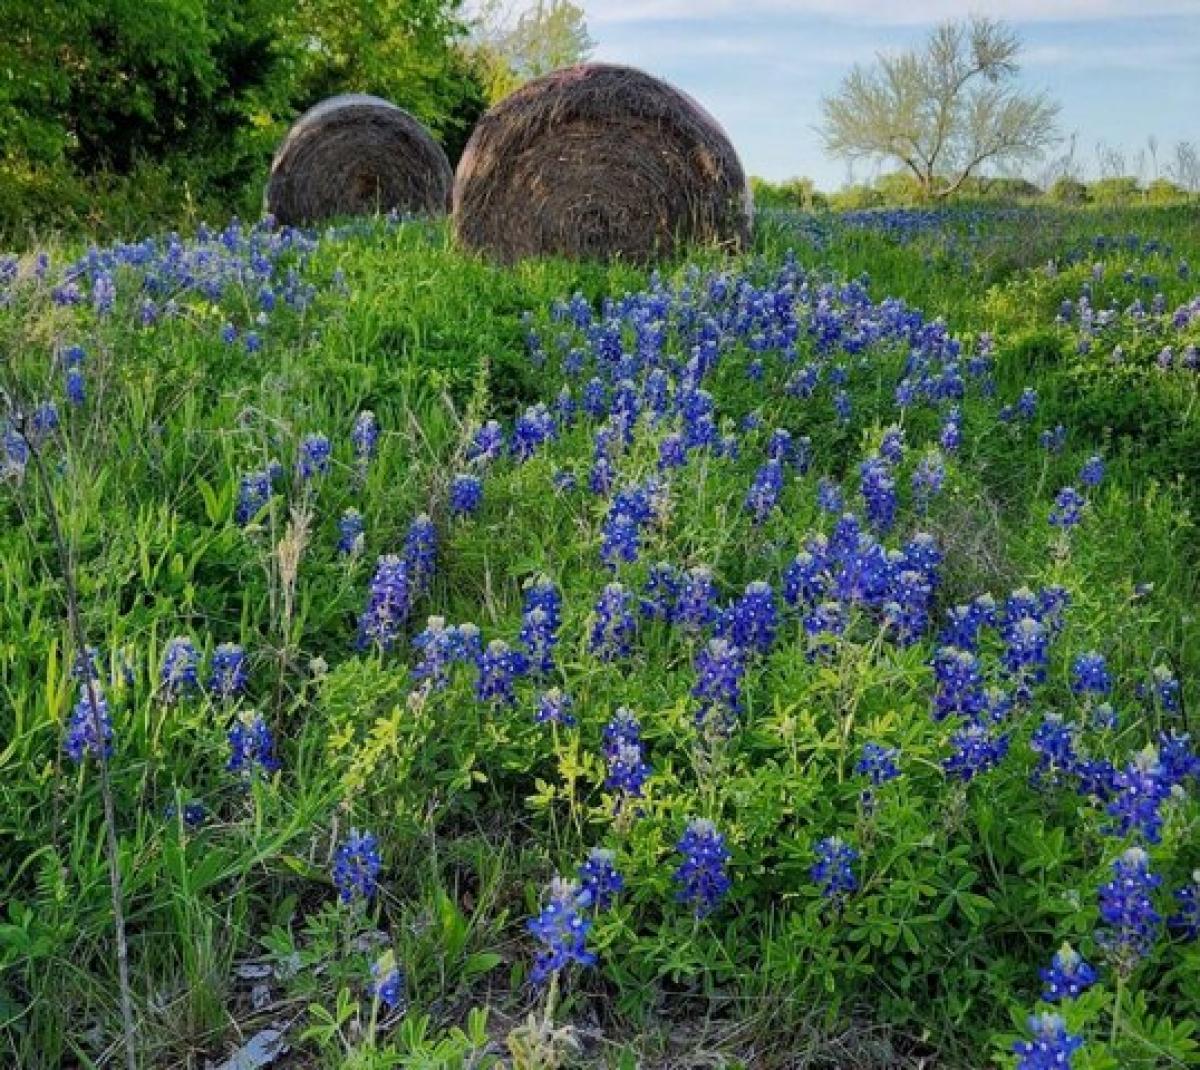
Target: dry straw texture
(353,155)
(599,161)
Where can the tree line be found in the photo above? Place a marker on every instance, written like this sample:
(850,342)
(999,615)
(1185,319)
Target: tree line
(148,109)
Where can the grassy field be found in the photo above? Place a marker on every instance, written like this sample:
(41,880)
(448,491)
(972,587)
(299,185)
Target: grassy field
(336,808)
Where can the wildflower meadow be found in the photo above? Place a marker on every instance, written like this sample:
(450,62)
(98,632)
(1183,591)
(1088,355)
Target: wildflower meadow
(780,660)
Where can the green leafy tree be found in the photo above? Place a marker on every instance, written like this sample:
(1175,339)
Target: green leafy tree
(941,111)
(549,35)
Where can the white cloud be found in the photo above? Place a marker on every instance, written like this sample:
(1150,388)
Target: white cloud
(893,12)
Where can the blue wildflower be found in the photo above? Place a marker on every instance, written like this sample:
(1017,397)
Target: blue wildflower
(554,707)
(180,668)
(1052,1046)
(499,668)
(387,982)
(696,607)
(1130,922)
(364,436)
(1090,675)
(466,494)
(833,871)
(90,729)
(356,867)
(251,744)
(752,622)
(351,533)
(254,491)
(614,626)
(1092,472)
(720,670)
(976,750)
(389,602)
(701,876)
(660,593)
(1067,976)
(562,930)
(439,650)
(878,763)
(229,673)
(314,456)
(1186,919)
(1068,508)
(599,880)
(1139,792)
(420,553)
(764,493)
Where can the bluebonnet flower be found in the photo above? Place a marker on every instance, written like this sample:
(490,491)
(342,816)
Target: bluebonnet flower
(1186,919)
(907,611)
(752,622)
(364,436)
(534,427)
(891,446)
(780,446)
(180,667)
(192,813)
(541,620)
(564,481)
(1027,652)
(1092,472)
(314,456)
(1166,688)
(805,579)
(620,537)
(356,867)
(1090,675)
(1130,922)
(624,753)
(1104,716)
(254,491)
(351,533)
(826,622)
(842,406)
(976,750)
(928,479)
(439,650)
(389,602)
(878,763)
(229,674)
(660,593)
(90,729)
(1054,741)
(829,496)
(562,930)
(1052,1046)
(499,668)
(554,707)
(1139,792)
(950,436)
(833,871)
(388,982)
(487,443)
(879,493)
(251,745)
(959,687)
(1068,508)
(764,492)
(696,607)
(1067,976)
(701,876)
(420,552)
(466,494)
(720,670)
(1177,757)
(614,626)
(1054,439)
(1027,403)
(599,880)
(76,386)
(43,421)
(672,452)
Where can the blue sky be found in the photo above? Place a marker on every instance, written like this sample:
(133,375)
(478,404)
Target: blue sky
(1123,70)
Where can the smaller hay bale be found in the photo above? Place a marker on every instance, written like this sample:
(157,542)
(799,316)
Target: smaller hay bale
(354,155)
(599,160)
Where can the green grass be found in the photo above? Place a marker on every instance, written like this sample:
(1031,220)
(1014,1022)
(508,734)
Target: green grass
(965,892)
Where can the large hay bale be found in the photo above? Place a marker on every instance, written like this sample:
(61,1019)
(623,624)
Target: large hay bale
(602,161)
(353,155)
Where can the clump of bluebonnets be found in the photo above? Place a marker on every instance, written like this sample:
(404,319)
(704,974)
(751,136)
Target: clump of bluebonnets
(356,867)
(701,877)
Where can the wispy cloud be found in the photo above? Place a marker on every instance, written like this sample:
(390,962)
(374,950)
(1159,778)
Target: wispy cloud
(1179,55)
(886,12)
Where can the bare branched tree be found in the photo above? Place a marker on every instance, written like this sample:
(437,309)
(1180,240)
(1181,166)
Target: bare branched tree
(1184,170)
(942,111)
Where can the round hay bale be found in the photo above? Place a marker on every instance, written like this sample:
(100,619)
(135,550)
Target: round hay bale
(600,161)
(354,155)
